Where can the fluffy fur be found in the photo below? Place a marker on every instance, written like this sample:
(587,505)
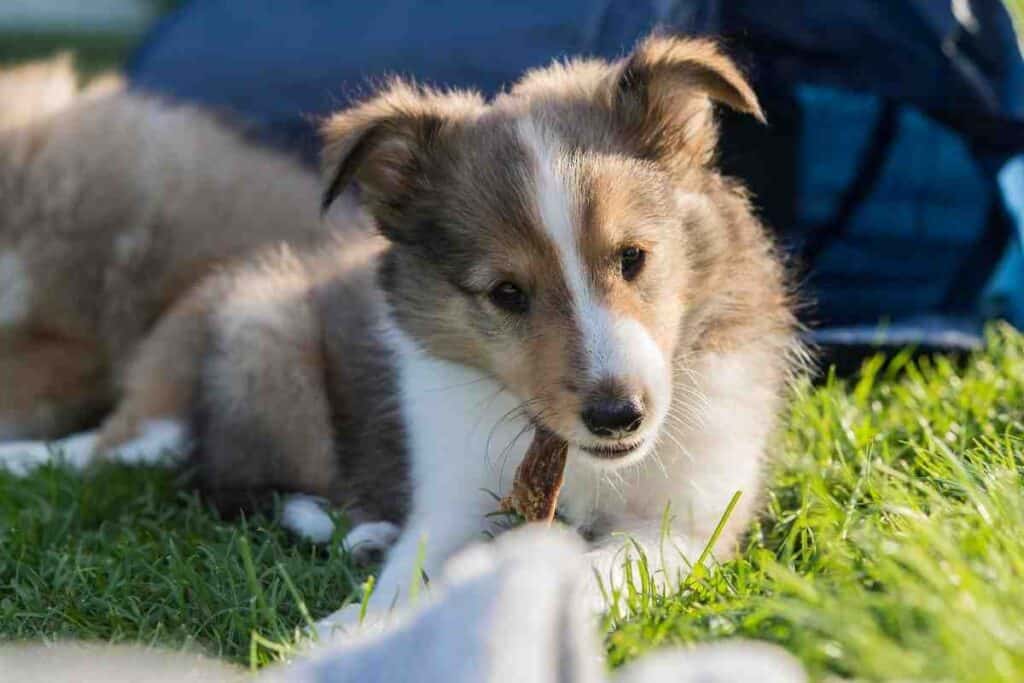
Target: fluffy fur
(566,254)
(112,206)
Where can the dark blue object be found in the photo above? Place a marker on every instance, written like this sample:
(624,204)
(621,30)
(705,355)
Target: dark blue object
(888,169)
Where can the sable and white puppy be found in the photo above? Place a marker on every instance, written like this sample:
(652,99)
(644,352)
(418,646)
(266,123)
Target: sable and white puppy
(566,255)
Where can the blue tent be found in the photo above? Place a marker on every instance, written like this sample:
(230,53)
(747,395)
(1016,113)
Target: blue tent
(892,168)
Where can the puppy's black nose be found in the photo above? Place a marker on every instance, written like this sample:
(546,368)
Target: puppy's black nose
(613,417)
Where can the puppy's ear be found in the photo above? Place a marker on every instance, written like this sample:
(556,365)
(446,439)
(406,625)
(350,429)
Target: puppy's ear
(664,92)
(381,144)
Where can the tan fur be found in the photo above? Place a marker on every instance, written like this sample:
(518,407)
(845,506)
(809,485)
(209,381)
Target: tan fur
(160,382)
(51,385)
(112,206)
(661,96)
(266,313)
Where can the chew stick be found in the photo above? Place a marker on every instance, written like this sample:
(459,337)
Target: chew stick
(538,479)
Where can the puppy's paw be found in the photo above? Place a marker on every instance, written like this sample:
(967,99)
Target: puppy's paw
(368,542)
(365,543)
(22,458)
(306,517)
(348,621)
(164,441)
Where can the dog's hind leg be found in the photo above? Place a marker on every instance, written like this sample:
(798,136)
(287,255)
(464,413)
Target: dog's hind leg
(149,425)
(262,416)
(50,385)
(21,458)
(151,420)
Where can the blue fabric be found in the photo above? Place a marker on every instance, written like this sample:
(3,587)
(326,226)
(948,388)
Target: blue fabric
(875,271)
(916,247)
(281,68)
(1004,297)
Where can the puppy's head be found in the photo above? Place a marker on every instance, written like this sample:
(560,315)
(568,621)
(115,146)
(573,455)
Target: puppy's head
(549,237)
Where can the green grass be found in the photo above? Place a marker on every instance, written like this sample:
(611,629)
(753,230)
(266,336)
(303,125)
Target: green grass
(1016,8)
(128,555)
(891,544)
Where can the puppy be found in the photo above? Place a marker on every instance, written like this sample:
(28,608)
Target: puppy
(565,255)
(112,207)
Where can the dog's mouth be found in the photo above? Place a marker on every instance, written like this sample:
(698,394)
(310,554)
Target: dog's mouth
(612,451)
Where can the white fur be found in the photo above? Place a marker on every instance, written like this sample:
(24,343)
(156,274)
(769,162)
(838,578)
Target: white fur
(162,441)
(628,352)
(559,215)
(615,347)
(365,540)
(60,660)
(501,612)
(21,458)
(159,442)
(15,289)
(710,448)
(306,517)
(465,442)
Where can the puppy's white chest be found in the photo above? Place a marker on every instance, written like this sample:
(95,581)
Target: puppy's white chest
(466,433)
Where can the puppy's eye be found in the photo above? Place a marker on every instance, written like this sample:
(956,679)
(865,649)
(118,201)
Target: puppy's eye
(509,297)
(631,262)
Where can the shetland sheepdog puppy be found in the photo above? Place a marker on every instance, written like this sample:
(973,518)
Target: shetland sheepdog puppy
(565,255)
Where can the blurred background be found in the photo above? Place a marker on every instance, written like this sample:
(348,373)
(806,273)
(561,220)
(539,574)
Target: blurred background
(101,33)
(892,169)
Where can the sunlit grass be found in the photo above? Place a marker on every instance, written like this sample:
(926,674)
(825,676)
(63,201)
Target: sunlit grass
(891,548)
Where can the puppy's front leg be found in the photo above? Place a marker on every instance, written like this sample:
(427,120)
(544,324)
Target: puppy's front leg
(616,561)
(418,556)
(461,440)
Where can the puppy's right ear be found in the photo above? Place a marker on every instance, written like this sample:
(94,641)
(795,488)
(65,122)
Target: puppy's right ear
(380,144)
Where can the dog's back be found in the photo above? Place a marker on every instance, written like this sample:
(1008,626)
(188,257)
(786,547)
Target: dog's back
(112,206)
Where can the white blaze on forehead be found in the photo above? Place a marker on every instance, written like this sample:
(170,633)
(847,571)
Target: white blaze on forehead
(559,208)
(614,347)
(558,205)
(15,288)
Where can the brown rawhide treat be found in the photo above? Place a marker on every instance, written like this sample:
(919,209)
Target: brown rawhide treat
(538,479)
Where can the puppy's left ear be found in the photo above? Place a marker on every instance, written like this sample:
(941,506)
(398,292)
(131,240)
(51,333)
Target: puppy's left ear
(382,143)
(664,92)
